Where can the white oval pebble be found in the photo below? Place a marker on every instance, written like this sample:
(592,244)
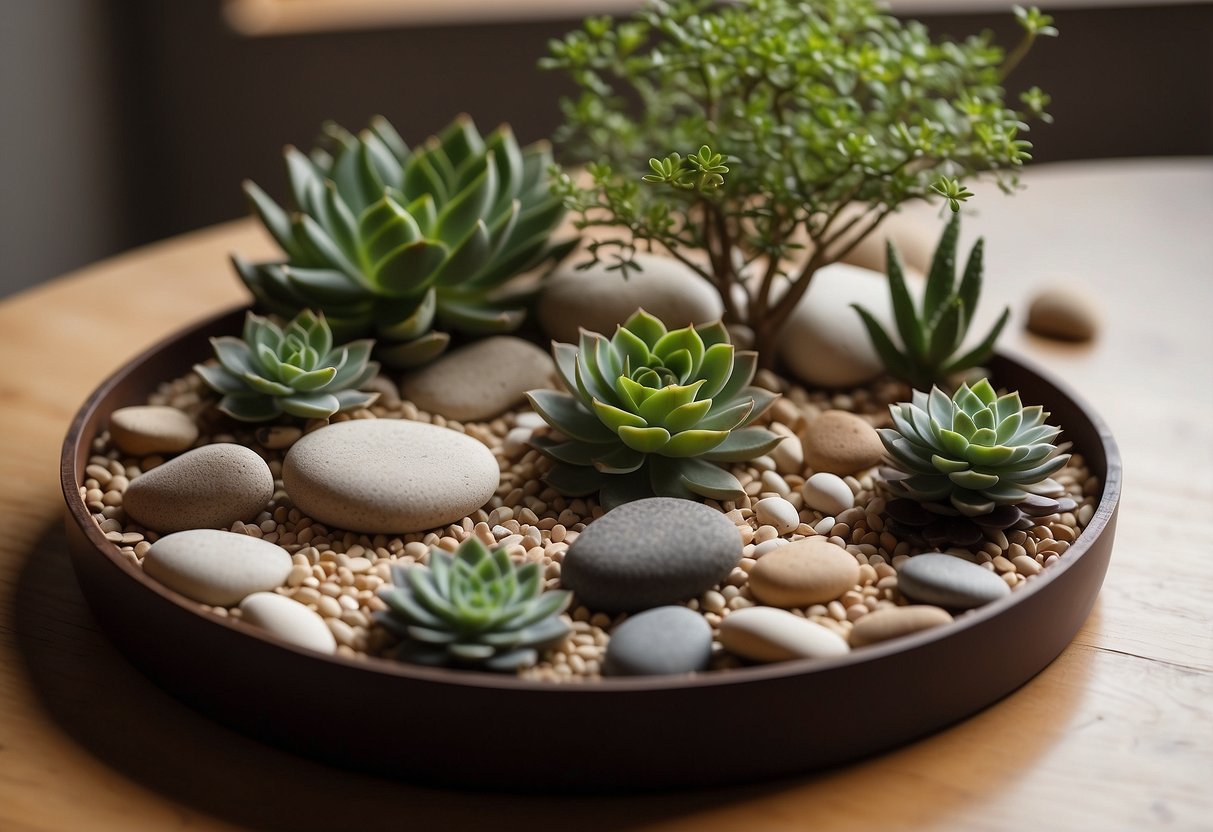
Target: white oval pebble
(766,634)
(789,455)
(777,512)
(388,475)
(146,430)
(206,488)
(216,567)
(827,493)
(288,620)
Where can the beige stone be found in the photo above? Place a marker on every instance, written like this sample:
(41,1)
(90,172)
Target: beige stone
(146,430)
(206,488)
(289,620)
(766,634)
(804,572)
(216,567)
(841,443)
(892,622)
(480,381)
(827,493)
(1063,315)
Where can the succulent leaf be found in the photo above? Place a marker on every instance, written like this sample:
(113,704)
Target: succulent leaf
(972,451)
(475,608)
(389,240)
(292,369)
(650,411)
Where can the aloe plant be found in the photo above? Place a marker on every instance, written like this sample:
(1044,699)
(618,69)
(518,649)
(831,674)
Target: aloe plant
(473,608)
(295,370)
(932,335)
(972,452)
(393,242)
(650,411)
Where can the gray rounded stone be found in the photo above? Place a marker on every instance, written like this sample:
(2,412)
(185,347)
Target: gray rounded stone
(480,381)
(216,567)
(671,639)
(948,581)
(825,342)
(388,475)
(599,300)
(650,553)
(206,488)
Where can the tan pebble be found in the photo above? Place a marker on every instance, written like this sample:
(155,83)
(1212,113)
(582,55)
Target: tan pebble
(278,437)
(1001,564)
(1063,314)
(884,624)
(789,456)
(145,430)
(804,572)
(341,631)
(1026,565)
(841,443)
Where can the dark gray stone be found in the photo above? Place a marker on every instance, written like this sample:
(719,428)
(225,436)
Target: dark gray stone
(663,640)
(948,581)
(649,553)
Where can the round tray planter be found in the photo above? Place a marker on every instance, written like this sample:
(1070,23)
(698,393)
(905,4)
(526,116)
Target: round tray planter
(485,730)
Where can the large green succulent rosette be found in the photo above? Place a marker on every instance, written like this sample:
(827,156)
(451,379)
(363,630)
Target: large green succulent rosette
(973,451)
(409,245)
(650,412)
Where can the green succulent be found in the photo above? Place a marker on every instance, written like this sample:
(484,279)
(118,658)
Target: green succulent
(295,370)
(390,242)
(973,451)
(473,608)
(931,336)
(651,411)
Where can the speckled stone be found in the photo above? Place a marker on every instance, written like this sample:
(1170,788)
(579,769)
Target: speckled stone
(947,581)
(216,567)
(842,443)
(206,488)
(766,634)
(827,493)
(288,620)
(650,553)
(1063,315)
(664,640)
(480,381)
(151,429)
(808,571)
(388,475)
(824,341)
(892,622)
(599,300)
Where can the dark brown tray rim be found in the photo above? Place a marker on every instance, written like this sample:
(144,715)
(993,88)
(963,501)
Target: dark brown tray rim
(70,479)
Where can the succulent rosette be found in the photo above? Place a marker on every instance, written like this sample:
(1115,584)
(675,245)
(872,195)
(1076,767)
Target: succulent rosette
(294,369)
(392,242)
(651,411)
(973,451)
(474,608)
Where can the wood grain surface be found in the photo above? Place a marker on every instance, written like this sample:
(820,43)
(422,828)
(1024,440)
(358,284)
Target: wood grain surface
(1116,734)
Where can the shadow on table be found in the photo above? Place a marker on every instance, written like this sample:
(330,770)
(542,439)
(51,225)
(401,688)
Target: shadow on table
(136,728)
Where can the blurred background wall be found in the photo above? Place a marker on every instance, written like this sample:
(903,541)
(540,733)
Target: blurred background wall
(125,121)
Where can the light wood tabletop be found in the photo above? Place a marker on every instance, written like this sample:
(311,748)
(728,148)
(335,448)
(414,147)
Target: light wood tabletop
(1116,734)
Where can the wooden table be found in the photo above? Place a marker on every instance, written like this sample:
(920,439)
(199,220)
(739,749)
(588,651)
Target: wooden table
(1116,734)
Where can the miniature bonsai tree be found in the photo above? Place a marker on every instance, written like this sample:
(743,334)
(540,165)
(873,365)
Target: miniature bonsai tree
(786,133)
(650,412)
(474,608)
(932,336)
(390,242)
(970,455)
(294,370)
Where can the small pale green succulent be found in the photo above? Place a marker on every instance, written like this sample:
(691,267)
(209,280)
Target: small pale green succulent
(973,451)
(931,336)
(475,608)
(294,370)
(650,411)
(391,242)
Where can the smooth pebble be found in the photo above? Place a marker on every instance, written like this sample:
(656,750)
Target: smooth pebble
(208,487)
(288,620)
(892,622)
(777,512)
(948,581)
(146,430)
(479,381)
(1063,315)
(766,634)
(216,567)
(671,639)
(388,475)
(804,572)
(838,442)
(827,493)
